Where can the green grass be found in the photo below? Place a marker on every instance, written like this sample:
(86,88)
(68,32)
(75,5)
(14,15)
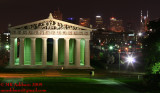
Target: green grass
(1,79)
(71,85)
(138,85)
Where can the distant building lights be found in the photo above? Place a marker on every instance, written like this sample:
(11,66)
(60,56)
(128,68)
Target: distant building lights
(98,16)
(71,18)
(113,18)
(111,47)
(139,34)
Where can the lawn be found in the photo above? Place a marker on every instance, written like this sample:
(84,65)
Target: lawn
(71,85)
(138,85)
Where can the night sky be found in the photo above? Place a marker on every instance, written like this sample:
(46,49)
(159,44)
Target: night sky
(18,12)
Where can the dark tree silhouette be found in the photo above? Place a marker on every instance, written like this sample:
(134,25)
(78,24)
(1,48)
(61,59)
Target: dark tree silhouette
(151,46)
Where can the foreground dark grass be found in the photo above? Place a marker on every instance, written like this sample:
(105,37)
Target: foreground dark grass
(1,79)
(71,85)
(138,85)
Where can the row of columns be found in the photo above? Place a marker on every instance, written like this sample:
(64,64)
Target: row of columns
(55,52)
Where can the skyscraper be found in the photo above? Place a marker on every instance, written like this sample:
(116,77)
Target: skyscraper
(58,15)
(116,25)
(99,22)
(144,22)
(84,22)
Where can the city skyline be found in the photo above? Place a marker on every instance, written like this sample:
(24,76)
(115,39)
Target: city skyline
(17,12)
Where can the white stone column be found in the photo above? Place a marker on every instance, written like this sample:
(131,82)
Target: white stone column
(66,52)
(21,54)
(12,52)
(55,52)
(87,53)
(33,48)
(44,51)
(77,63)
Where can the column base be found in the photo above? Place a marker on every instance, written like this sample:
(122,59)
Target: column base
(47,67)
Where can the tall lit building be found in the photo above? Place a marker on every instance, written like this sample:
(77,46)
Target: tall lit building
(58,15)
(99,22)
(4,40)
(84,22)
(144,22)
(116,25)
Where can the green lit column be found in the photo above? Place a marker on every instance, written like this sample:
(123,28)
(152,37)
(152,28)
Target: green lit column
(66,52)
(87,53)
(12,52)
(33,51)
(55,52)
(44,51)
(77,63)
(21,60)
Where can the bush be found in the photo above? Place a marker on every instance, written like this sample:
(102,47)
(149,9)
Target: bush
(152,80)
(156,68)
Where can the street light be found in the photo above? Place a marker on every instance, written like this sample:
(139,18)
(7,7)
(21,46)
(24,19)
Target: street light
(130,59)
(119,51)
(7,47)
(139,34)
(110,47)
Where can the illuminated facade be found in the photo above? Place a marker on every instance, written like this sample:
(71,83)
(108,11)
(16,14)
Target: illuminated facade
(116,25)
(99,22)
(144,22)
(50,43)
(84,22)
(4,40)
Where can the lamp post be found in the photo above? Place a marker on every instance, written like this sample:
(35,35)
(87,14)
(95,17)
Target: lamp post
(110,47)
(130,60)
(119,51)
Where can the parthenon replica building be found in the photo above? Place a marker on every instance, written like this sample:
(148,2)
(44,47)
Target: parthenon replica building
(50,43)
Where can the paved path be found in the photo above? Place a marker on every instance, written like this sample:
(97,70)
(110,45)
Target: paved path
(119,86)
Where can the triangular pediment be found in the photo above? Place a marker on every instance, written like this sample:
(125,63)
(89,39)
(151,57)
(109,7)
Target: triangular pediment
(49,24)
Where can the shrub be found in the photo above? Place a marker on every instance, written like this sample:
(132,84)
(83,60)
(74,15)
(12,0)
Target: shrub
(156,68)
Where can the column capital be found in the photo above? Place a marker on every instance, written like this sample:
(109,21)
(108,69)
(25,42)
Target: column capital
(87,39)
(77,39)
(44,38)
(55,38)
(21,38)
(66,38)
(33,38)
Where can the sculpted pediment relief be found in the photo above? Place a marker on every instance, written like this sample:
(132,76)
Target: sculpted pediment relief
(50,24)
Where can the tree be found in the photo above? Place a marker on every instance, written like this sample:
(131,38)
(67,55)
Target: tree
(151,46)
(156,68)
